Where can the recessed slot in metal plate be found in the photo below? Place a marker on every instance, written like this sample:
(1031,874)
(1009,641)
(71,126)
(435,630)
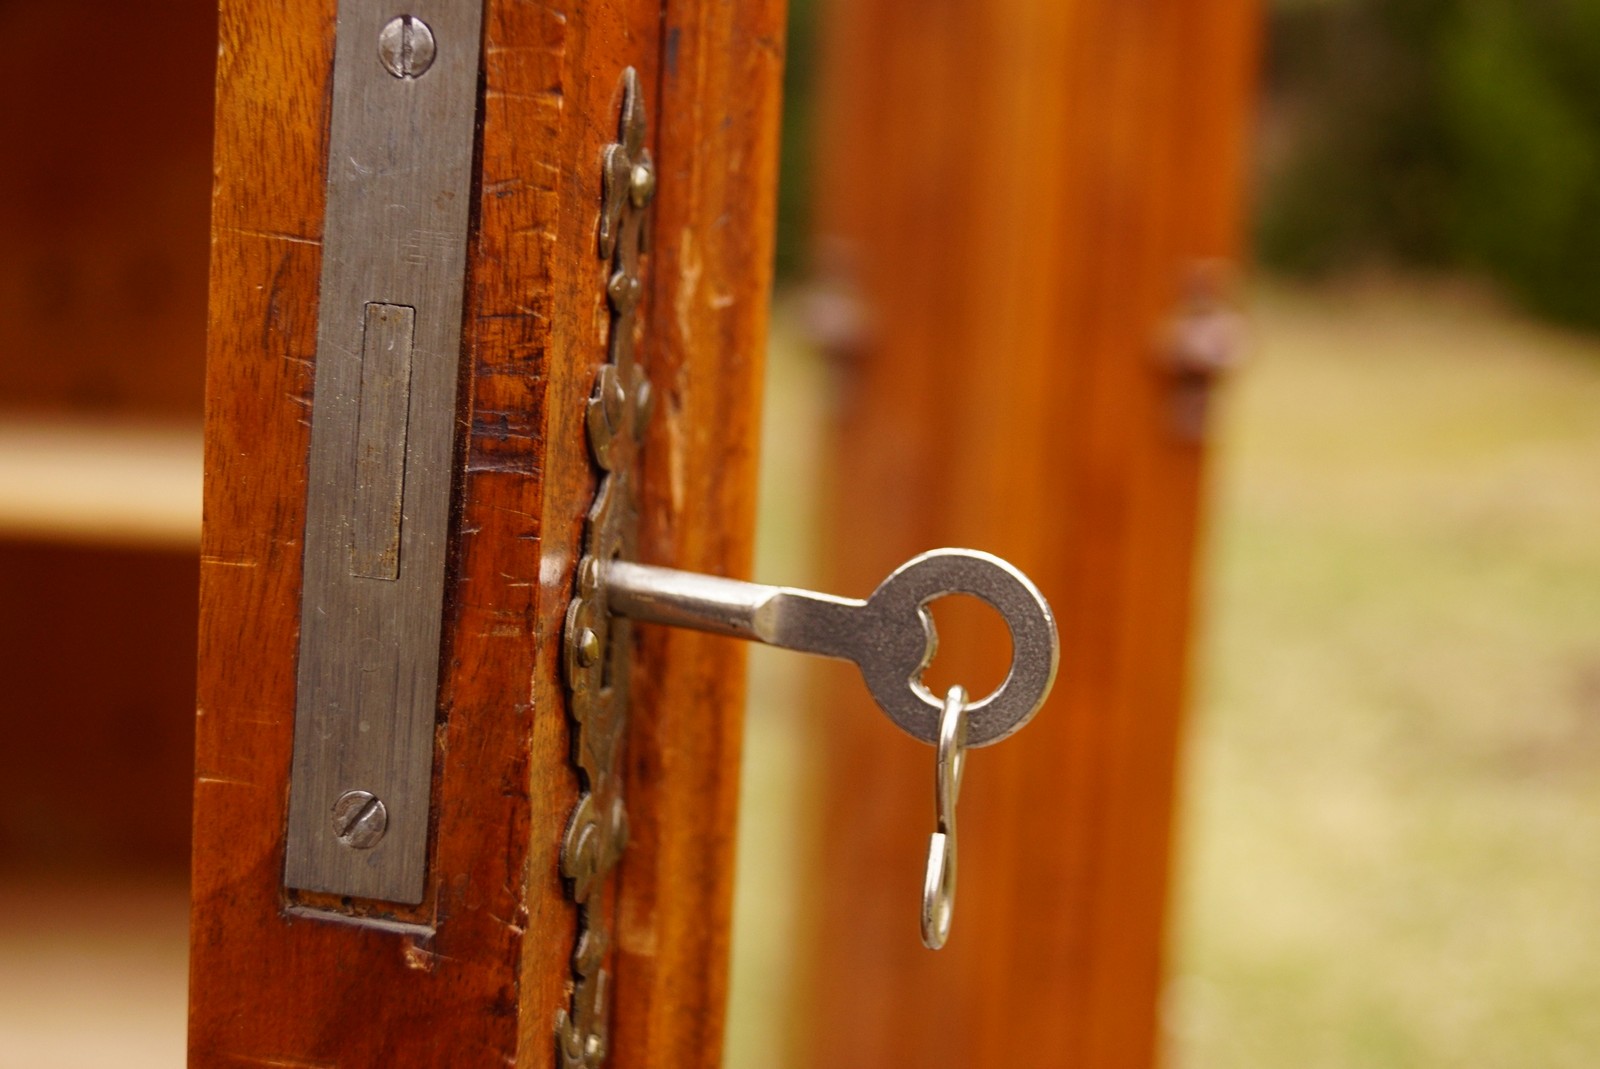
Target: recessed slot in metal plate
(381,440)
(383,423)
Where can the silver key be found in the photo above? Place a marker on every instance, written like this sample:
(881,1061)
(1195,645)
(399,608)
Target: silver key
(890,636)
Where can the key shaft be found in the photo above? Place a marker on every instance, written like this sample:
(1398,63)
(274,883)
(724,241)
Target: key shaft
(800,620)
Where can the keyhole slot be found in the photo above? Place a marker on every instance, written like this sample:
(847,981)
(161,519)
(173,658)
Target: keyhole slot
(974,647)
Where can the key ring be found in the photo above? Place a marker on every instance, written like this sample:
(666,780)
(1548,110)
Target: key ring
(899,642)
(891,638)
(939,880)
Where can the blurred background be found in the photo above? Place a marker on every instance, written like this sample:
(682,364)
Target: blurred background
(1388,817)
(104,221)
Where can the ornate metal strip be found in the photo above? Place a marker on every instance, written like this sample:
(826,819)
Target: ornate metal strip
(598,645)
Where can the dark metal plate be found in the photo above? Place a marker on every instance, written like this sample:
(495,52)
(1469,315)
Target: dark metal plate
(394,253)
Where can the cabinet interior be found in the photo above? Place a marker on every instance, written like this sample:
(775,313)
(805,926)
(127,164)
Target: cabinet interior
(104,216)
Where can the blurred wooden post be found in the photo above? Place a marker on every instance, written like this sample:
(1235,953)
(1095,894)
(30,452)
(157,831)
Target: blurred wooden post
(475,976)
(1019,191)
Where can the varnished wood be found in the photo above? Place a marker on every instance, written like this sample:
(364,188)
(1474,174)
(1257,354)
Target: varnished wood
(103,205)
(1018,189)
(717,137)
(479,979)
(102,322)
(99,675)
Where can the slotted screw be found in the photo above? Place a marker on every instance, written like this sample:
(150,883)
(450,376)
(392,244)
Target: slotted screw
(406,46)
(588,647)
(360,819)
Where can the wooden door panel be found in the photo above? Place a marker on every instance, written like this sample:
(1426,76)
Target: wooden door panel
(1060,168)
(477,974)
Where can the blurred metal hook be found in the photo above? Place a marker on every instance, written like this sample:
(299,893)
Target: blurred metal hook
(939,881)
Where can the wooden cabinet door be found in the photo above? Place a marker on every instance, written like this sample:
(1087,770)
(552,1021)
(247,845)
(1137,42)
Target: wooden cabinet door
(477,974)
(1043,276)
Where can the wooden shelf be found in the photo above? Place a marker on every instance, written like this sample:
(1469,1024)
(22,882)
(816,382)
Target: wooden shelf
(93,971)
(100,482)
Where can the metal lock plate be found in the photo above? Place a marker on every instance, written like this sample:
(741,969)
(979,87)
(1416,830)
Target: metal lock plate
(394,251)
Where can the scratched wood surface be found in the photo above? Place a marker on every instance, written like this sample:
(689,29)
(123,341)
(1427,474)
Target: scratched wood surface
(477,974)
(1017,189)
(717,124)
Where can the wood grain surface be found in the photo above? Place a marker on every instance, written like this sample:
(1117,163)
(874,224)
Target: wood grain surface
(716,125)
(1017,190)
(476,975)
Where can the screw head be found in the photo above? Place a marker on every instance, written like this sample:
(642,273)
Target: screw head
(588,647)
(360,819)
(613,397)
(406,47)
(644,403)
(642,183)
(625,291)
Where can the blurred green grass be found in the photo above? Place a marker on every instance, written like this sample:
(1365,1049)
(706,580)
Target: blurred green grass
(774,827)
(1390,853)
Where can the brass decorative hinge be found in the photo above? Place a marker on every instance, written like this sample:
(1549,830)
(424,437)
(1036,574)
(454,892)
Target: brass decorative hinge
(598,644)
